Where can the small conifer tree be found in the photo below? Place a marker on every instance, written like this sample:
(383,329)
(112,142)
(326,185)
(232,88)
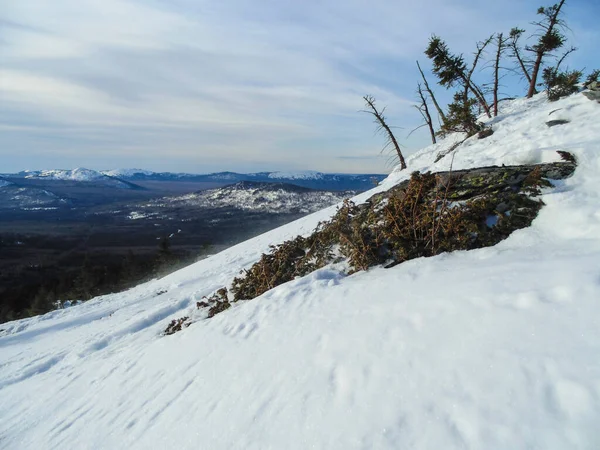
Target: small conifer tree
(550,39)
(460,117)
(452,70)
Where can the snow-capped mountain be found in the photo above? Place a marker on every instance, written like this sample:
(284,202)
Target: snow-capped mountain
(79,175)
(279,198)
(495,348)
(126,173)
(301,175)
(126,178)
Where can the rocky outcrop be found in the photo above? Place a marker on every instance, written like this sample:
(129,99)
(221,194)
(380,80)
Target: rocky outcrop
(593,91)
(553,123)
(424,216)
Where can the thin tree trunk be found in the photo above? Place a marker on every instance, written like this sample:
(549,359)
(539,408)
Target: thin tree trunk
(513,44)
(380,120)
(425,112)
(496,72)
(541,52)
(478,95)
(522,64)
(430,92)
(469,85)
(534,74)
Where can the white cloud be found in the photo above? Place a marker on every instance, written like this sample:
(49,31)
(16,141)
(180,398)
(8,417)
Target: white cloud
(277,78)
(118,23)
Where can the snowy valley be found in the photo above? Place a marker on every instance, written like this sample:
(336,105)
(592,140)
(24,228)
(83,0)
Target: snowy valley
(65,239)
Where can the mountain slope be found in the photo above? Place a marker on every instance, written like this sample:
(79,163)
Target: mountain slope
(494,348)
(256,196)
(13,196)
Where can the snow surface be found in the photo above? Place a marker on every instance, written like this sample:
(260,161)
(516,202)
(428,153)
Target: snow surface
(497,348)
(4,183)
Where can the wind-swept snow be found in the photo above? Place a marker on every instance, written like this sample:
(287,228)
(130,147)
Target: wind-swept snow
(497,348)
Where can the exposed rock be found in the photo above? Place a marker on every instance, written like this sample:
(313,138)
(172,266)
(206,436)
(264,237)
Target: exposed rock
(487,132)
(593,91)
(470,183)
(592,95)
(423,216)
(553,123)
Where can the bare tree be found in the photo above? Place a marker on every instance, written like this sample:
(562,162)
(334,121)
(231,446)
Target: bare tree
(382,126)
(431,95)
(563,57)
(424,110)
(550,39)
(501,46)
(516,51)
(469,84)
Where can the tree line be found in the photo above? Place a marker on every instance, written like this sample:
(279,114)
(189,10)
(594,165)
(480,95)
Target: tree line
(42,289)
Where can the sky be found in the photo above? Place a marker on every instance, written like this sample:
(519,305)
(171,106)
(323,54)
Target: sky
(243,85)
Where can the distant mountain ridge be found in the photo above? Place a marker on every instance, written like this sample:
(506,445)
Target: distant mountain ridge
(309,179)
(127,178)
(79,174)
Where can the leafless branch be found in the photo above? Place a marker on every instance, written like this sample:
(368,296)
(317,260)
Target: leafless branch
(382,125)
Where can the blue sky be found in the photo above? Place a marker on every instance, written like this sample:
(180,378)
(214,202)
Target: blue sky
(243,85)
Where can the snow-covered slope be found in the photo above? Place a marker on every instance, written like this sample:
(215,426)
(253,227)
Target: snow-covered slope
(497,348)
(4,183)
(29,198)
